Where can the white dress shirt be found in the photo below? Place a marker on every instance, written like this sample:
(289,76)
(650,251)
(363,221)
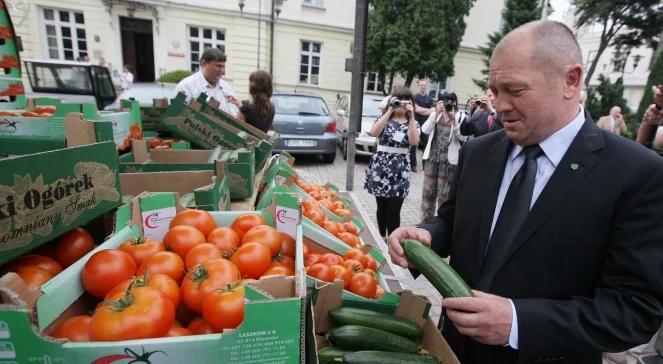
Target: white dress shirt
(554,147)
(196,84)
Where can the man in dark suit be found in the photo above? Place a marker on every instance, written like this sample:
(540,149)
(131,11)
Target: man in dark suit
(483,120)
(556,224)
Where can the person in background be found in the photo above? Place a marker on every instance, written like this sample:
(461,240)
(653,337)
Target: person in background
(126,78)
(388,174)
(441,153)
(652,119)
(422,108)
(614,122)
(209,80)
(484,120)
(260,111)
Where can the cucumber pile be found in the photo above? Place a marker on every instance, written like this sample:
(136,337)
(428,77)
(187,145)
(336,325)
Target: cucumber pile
(364,336)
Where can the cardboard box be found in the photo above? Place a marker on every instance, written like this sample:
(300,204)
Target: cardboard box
(151,116)
(46,194)
(272,329)
(327,297)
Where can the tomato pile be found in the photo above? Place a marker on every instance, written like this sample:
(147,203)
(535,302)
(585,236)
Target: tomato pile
(157,143)
(346,231)
(198,268)
(135,133)
(325,196)
(38,112)
(354,268)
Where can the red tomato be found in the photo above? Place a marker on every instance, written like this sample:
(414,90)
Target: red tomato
(266,235)
(350,227)
(106,269)
(321,271)
(379,292)
(226,239)
(33,276)
(244,223)
(353,266)
(202,253)
(161,282)
(331,259)
(349,239)
(279,270)
(181,238)
(201,220)
(204,279)
(363,284)
(355,254)
(311,259)
(371,263)
(284,261)
(41,261)
(167,263)
(224,309)
(316,215)
(145,313)
(175,331)
(341,273)
(288,245)
(72,246)
(141,248)
(252,259)
(330,226)
(76,328)
(198,326)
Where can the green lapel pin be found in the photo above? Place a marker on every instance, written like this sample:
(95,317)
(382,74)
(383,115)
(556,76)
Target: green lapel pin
(575,166)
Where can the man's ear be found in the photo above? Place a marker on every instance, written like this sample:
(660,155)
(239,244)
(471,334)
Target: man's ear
(572,81)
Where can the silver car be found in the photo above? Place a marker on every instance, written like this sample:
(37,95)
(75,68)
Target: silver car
(304,124)
(145,93)
(364,142)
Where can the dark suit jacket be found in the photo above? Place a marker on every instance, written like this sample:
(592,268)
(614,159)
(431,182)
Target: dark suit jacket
(586,273)
(477,124)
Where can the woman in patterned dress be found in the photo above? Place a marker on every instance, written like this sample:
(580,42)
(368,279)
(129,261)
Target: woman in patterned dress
(388,175)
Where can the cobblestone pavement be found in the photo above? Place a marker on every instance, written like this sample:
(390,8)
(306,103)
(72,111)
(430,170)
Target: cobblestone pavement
(314,170)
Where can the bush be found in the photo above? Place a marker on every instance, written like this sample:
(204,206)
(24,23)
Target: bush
(174,76)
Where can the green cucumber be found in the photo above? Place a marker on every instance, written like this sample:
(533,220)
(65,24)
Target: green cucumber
(385,357)
(331,355)
(390,323)
(440,274)
(355,337)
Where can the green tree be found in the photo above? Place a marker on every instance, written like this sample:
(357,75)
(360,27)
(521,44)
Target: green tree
(415,38)
(655,78)
(515,14)
(601,98)
(624,24)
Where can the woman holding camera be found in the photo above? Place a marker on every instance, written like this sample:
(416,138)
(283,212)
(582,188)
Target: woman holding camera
(441,153)
(388,174)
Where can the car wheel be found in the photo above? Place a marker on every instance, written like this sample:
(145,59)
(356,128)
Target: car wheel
(329,158)
(344,148)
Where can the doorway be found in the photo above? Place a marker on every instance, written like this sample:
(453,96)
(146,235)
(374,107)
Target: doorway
(138,48)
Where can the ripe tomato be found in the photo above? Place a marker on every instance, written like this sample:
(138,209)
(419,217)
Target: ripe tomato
(288,245)
(330,226)
(175,331)
(266,235)
(353,265)
(331,259)
(363,284)
(201,253)
(311,259)
(252,259)
(33,276)
(204,279)
(76,328)
(305,249)
(226,239)
(309,204)
(72,246)
(224,309)
(379,292)
(141,248)
(167,263)
(198,326)
(145,313)
(245,222)
(106,269)
(343,212)
(371,263)
(349,239)
(321,271)
(161,282)
(201,220)
(284,261)
(355,254)
(341,273)
(181,238)
(279,270)
(350,227)
(316,215)
(41,261)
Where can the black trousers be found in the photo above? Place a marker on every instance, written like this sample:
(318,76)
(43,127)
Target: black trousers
(388,214)
(413,155)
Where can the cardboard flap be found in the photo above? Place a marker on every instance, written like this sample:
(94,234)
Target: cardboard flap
(180,156)
(140,151)
(326,298)
(160,102)
(182,182)
(434,342)
(14,291)
(413,308)
(78,130)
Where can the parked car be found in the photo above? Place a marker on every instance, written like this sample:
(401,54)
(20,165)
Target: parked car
(364,142)
(304,124)
(145,93)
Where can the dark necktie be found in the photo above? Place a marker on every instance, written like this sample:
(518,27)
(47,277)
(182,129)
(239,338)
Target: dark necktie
(512,216)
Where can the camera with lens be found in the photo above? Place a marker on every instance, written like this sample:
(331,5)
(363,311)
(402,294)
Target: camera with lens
(449,99)
(398,103)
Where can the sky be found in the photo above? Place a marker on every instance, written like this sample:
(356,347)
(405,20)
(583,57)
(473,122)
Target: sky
(560,6)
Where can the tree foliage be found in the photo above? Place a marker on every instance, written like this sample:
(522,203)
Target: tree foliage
(515,14)
(655,78)
(623,23)
(601,98)
(415,38)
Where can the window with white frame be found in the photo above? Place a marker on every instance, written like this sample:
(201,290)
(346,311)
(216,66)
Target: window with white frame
(309,63)
(373,83)
(201,38)
(318,3)
(65,34)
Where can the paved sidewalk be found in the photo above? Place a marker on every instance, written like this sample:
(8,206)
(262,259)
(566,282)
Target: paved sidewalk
(314,170)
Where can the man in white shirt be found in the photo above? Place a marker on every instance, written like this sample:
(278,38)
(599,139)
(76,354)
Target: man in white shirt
(126,77)
(209,80)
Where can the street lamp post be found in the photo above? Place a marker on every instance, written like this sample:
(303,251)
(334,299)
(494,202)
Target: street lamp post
(275,11)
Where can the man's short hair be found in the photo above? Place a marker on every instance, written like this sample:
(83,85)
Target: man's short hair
(212,55)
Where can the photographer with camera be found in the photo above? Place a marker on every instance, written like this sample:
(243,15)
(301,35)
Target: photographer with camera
(484,120)
(388,174)
(441,153)
(652,120)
